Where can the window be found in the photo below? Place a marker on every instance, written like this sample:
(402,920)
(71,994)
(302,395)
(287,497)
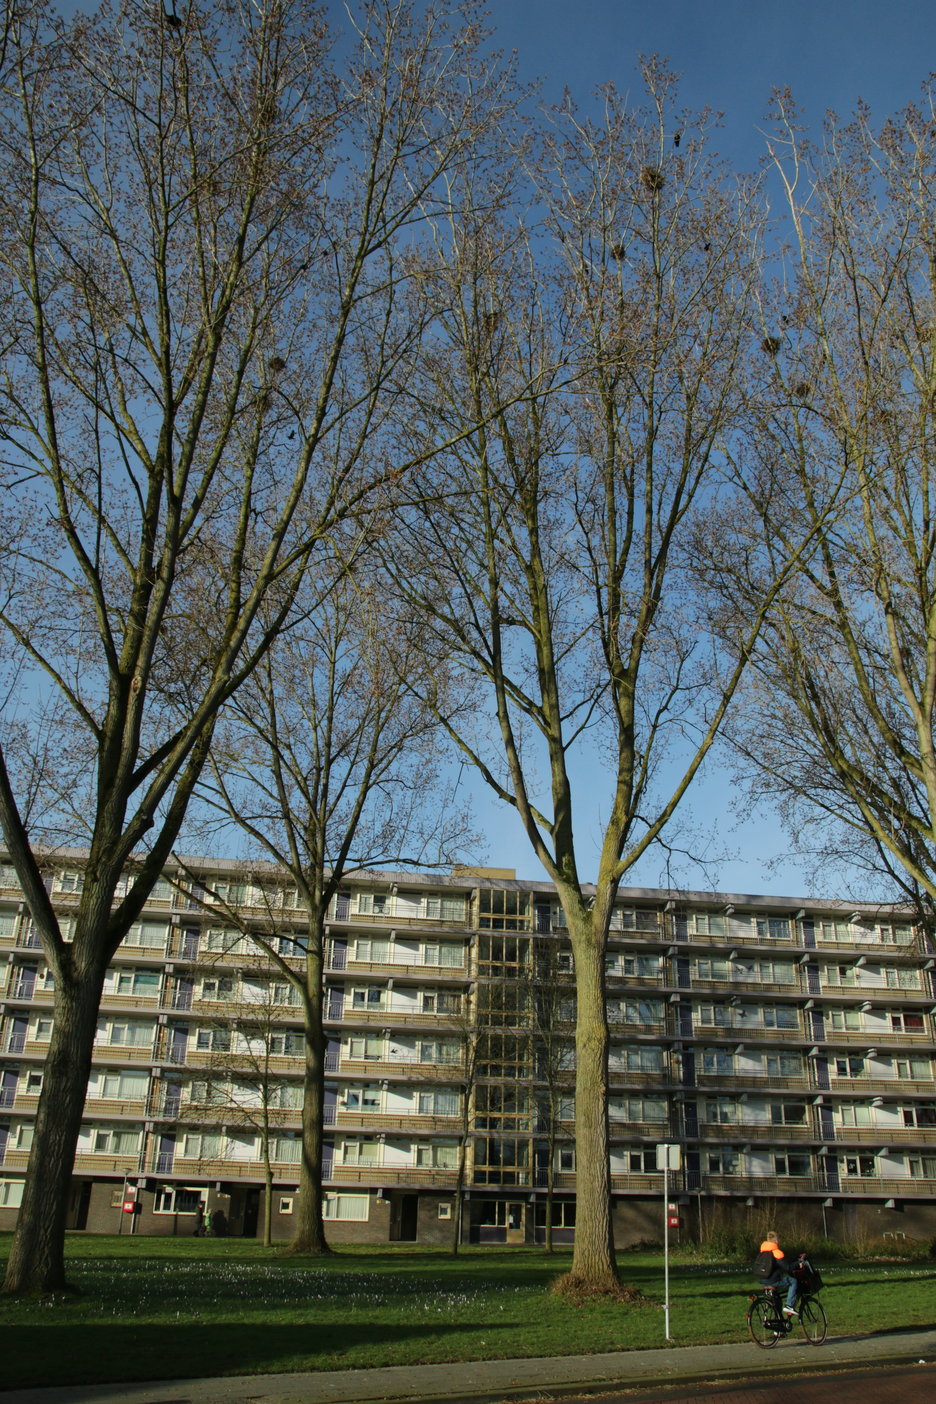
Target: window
(722,1110)
(902,979)
(437,1103)
(915,1069)
(370,949)
(70,882)
(833,930)
(724,1162)
(213,1040)
(436,1157)
(33,1084)
(202,1146)
(907,1023)
(438,1051)
(717,1060)
(501,910)
(563,1214)
(921,1167)
(444,1211)
(347,1207)
(285,1043)
(711,969)
(371,997)
(718,1014)
(788,1114)
(363,1099)
(373,903)
(841,975)
(445,908)
(364,1046)
(285,1205)
(923,1115)
(180,1199)
(42,1030)
(137,982)
(220,988)
(128,1086)
(792,1164)
(773,928)
(707,923)
(128,1033)
(285,1149)
(150,934)
(112,1141)
(11,1194)
(849,1067)
(642,1059)
(861,1165)
(846,1020)
(782,1064)
(855,1114)
(780,1016)
(360,1153)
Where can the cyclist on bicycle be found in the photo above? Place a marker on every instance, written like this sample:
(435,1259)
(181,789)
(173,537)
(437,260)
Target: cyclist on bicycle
(772,1269)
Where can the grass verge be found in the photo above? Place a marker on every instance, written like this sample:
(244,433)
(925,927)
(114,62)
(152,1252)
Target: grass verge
(151,1309)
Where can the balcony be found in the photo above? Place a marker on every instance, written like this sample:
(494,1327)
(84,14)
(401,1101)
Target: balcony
(402,1067)
(739,1132)
(111,1106)
(922,1136)
(123,1052)
(386,1121)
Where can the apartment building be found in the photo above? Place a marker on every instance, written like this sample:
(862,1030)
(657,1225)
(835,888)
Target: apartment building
(787,1047)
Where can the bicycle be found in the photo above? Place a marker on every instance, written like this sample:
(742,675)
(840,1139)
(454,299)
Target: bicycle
(767,1323)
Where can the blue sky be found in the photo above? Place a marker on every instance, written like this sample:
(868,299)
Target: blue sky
(730,54)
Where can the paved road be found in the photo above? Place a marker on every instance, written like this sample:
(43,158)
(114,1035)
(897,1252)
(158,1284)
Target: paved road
(902,1384)
(738,1373)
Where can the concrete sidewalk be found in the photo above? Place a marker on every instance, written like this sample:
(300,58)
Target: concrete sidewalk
(486,1381)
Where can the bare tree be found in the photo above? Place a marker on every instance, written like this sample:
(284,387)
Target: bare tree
(330,766)
(552,563)
(207,227)
(838,716)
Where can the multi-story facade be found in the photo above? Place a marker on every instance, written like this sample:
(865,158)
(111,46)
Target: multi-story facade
(788,1047)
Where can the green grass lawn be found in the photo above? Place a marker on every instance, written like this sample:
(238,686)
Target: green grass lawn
(175,1308)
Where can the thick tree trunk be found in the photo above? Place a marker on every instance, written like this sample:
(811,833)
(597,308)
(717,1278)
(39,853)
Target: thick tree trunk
(460,1191)
(37,1255)
(309,1232)
(593,1259)
(268,1204)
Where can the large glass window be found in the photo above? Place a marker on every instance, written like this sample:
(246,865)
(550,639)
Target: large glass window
(502,910)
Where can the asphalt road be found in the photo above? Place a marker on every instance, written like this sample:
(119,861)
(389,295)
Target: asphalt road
(900,1384)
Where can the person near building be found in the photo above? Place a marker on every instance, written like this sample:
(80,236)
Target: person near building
(773,1270)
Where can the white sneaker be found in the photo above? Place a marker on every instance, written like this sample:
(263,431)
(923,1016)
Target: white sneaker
(790,1311)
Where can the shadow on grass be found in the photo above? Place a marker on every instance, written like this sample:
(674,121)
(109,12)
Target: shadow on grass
(110,1352)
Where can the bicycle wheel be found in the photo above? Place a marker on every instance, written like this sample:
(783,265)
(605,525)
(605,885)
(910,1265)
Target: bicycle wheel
(762,1323)
(813,1318)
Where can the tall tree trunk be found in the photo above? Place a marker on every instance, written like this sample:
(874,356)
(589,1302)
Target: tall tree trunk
(593,1259)
(309,1233)
(267,1202)
(460,1190)
(550,1173)
(37,1255)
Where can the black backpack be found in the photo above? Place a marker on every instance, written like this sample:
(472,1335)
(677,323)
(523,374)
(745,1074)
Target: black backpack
(765,1264)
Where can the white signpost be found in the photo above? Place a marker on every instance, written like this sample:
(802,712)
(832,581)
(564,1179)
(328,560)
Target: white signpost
(668,1158)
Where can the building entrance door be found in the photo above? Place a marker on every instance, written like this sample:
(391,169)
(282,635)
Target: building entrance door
(516,1231)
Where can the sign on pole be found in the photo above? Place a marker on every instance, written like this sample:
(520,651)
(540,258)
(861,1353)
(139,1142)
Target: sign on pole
(668,1157)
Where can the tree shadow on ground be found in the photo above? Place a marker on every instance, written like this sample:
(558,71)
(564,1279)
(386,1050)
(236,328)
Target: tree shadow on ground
(107,1352)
